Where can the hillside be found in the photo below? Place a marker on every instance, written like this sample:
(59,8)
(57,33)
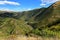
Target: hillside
(48,14)
(41,22)
(10,24)
(51,16)
(47,19)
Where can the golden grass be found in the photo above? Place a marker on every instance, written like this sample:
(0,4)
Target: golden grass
(28,38)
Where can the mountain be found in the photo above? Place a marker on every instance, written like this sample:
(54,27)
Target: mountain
(50,16)
(47,20)
(41,21)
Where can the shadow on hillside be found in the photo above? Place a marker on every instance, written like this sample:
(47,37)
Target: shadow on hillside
(9,15)
(41,16)
(6,14)
(46,13)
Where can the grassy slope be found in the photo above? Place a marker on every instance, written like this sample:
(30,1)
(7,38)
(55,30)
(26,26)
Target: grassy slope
(11,26)
(47,20)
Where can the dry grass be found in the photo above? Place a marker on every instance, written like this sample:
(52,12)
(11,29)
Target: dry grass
(27,38)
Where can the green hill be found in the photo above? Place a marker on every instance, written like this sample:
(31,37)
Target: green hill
(49,19)
(10,24)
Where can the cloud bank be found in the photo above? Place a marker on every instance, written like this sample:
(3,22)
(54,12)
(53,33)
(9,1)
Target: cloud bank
(9,2)
(45,2)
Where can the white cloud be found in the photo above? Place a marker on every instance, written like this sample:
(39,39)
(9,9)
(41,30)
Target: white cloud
(42,4)
(5,9)
(45,2)
(29,9)
(25,9)
(9,2)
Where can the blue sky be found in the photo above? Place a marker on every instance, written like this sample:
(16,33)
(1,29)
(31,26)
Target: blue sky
(21,5)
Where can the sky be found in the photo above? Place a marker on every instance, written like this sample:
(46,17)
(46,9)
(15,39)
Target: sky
(24,5)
